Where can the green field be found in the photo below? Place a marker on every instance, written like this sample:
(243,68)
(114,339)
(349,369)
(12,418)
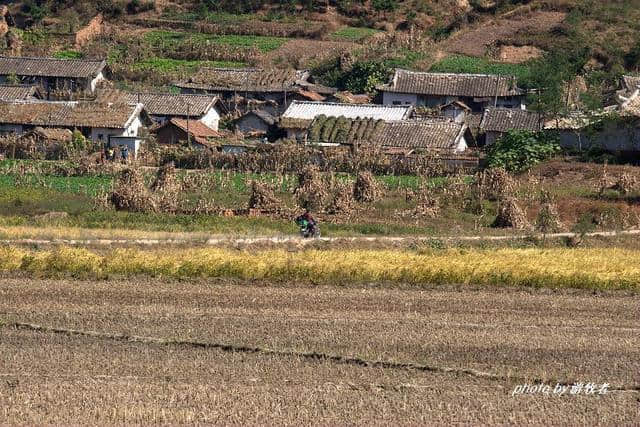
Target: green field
(23,198)
(353,34)
(68,54)
(168,65)
(467,64)
(174,39)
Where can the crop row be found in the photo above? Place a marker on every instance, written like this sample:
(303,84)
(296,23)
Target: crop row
(569,268)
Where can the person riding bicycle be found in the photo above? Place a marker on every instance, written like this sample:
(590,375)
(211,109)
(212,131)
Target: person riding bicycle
(306,221)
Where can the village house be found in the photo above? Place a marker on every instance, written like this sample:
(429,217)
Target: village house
(477,91)
(245,89)
(19,93)
(397,137)
(110,124)
(188,132)
(297,118)
(53,75)
(615,129)
(162,107)
(455,110)
(441,136)
(255,123)
(498,121)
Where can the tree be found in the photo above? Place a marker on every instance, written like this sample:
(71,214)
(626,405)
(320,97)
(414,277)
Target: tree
(517,151)
(364,77)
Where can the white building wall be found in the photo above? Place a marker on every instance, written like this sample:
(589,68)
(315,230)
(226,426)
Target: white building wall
(103,134)
(462,145)
(134,127)
(95,81)
(394,98)
(211,118)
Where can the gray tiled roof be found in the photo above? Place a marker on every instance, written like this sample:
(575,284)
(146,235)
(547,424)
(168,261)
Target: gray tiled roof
(264,116)
(244,79)
(68,114)
(16,92)
(449,84)
(302,110)
(506,119)
(50,67)
(172,105)
(425,134)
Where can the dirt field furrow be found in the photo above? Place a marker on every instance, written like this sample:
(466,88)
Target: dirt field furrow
(301,353)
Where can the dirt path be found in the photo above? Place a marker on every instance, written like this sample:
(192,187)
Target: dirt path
(228,240)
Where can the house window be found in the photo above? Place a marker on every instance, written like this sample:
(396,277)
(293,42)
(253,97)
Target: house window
(397,103)
(100,136)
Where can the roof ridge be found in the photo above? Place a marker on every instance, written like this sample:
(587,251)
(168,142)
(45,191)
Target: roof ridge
(454,74)
(200,95)
(50,58)
(351,105)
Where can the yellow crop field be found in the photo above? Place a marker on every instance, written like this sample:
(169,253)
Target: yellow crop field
(576,268)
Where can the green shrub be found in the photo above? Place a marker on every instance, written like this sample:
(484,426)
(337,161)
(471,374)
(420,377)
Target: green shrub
(517,151)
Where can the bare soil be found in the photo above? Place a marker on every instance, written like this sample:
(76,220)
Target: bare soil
(514,335)
(518,54)
(475,41)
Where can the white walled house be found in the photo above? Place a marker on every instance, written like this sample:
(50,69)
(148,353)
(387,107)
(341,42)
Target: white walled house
(98,121)
(163,107)
(498,121)
(300,114)
(478,91)
(52,74)
(425,135)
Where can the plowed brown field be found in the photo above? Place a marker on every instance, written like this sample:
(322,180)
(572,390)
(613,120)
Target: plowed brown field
(466,350)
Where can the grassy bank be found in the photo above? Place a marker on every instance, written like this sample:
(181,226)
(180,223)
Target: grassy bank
(597,269)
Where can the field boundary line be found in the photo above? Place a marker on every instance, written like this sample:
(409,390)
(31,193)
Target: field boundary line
(214,241)
(289,353)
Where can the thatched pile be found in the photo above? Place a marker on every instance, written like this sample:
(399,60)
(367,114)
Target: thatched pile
(341,202)
(263,197)
(130,194)
(626,184)
(166,188)
(511,215)
(366,188)
(312,192)
(548,219)
(495,184)
(428,204)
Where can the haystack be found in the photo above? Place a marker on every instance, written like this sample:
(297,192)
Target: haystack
(312,192)
(341,200)
(130,194)
(626,184)
(511,215)
(548,219)
(166,188)
(263,197)
(495,184)
(428,204)
(366,188)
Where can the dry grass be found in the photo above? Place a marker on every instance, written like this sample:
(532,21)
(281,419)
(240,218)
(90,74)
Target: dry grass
(554,267)
(62,379)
